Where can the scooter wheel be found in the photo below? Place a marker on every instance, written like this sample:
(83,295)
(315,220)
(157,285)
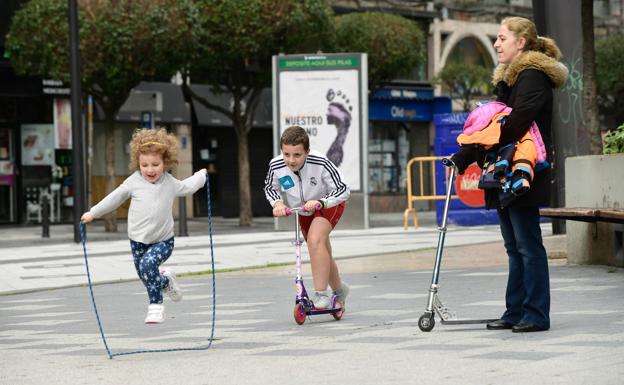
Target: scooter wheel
(338,315)
(299,313)
(426,322)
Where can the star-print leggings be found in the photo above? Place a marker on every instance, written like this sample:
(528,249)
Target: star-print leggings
(147,261)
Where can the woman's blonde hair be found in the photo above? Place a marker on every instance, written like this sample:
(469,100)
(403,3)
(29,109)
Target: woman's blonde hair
(156,141)
(525,28)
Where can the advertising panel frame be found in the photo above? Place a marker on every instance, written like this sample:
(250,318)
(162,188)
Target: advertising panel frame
(330,79)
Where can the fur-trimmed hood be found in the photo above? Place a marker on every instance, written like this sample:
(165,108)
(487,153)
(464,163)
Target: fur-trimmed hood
(555,70)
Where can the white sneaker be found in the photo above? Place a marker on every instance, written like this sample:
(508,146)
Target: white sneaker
(155,314)
(321,300)
(173,290)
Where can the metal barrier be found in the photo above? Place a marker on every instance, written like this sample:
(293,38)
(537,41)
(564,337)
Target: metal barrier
(431,160)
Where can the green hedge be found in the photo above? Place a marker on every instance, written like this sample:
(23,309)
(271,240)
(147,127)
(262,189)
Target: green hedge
(614,141)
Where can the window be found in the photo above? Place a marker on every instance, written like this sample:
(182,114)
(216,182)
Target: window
(471,51)
(388,153)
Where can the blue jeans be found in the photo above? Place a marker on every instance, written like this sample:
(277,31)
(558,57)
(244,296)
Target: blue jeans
(528,287)
(147,261)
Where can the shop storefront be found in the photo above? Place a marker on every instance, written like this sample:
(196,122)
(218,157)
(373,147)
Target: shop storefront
(400,128)
(216,148)
(8,182)
(33,149)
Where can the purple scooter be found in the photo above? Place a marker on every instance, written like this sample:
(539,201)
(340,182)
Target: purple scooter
(303,304)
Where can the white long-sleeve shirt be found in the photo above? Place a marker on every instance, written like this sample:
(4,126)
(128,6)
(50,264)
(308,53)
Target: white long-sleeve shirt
(317,179)
(150,218)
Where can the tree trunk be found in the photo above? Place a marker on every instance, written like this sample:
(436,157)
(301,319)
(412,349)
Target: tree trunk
(466,101)
(592,124)
(241,115)
(244,185)
(110,220)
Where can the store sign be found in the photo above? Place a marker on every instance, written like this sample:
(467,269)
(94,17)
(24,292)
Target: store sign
(324,94)
(394,93)
(450,119)
(401,110)
(54,87)
(467,187)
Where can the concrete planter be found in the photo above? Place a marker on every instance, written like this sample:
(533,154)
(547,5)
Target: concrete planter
(595,181)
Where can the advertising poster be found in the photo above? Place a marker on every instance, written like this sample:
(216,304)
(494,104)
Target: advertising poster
(322,94)
(62,124)
(37,144)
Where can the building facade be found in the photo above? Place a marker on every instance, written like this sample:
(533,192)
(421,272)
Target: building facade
(35,157)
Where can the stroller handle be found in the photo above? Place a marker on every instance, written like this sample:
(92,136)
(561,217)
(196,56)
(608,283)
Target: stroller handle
(448,162)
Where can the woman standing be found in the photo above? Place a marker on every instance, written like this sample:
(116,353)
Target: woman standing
(527,72)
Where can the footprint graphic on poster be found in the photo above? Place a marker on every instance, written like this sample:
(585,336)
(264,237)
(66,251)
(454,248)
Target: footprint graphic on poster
(339,115)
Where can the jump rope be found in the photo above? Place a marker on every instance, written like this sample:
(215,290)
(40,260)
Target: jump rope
(212,264)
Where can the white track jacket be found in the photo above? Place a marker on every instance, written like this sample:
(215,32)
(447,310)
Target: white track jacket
(317,179)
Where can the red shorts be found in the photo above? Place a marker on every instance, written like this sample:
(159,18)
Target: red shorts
(332,214)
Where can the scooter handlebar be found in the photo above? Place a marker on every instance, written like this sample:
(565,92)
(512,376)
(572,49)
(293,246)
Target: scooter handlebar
(301,209)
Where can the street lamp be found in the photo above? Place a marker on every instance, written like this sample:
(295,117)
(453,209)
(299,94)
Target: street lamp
(78,151)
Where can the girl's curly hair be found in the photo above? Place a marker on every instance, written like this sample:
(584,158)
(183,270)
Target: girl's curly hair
(156,141)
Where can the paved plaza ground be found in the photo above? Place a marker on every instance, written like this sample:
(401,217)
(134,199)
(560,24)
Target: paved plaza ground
(51,336)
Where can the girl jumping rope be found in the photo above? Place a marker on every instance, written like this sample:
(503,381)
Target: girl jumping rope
(150,221)
(309,179)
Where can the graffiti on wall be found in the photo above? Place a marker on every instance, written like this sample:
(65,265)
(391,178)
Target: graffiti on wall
(570,100)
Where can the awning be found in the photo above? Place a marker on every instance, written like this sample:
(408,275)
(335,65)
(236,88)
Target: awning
(406,102)
(168,104)
(168,107)
(263,116)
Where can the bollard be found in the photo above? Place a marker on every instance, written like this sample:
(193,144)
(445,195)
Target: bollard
(45,216)
(183,230)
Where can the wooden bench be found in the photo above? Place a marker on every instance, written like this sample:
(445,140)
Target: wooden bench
(585,214)
(600,244)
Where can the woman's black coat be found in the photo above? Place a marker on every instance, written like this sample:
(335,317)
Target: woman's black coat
(526,86)
(531,99)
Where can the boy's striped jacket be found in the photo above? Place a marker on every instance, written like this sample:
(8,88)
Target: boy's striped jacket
(317,179)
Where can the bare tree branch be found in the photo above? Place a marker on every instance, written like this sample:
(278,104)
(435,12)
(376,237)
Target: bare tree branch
(203,101)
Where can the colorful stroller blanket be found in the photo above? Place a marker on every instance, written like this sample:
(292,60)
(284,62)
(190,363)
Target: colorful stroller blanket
(509,168)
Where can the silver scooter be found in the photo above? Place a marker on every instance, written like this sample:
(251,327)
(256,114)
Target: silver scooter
(426,322)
